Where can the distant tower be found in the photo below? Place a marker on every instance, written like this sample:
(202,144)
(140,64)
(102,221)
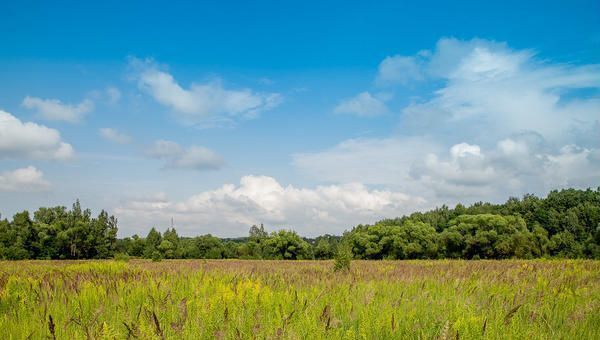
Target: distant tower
(171,222)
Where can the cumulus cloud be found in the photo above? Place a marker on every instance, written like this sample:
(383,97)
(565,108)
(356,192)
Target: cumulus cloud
(113,135)
(202,103)
(54,109)
(29,140)
(463,172)
(23,180)
(230,210)
(513,165)
(363,105)
(466,172)
(501,122)
(177,157)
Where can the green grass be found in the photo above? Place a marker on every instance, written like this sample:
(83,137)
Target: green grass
(300,300)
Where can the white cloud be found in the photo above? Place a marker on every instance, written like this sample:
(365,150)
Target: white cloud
(194,157)
(54,109)
(115,136)
(513,165)
(495,91)
(204,104)
(230,210)
(500,123)
(29,140)
(573,166)
(464,172)
(371,161)
(463,150)
(363,105)
(23,180)
(399,69)
(466,169)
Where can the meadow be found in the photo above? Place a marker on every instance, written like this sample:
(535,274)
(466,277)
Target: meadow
(243,299)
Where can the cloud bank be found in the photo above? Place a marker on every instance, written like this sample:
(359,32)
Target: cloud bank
(501,122)
(233,209)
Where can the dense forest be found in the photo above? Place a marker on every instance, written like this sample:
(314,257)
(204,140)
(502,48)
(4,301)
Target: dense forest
(564,224)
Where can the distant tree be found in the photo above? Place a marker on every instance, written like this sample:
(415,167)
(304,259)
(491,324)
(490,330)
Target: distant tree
(452,244)
(137,247)
(254,247)
(565,245)
(102,236)
(492,236)
(206,247)
(167,249)
(415,240)
(171,249)
(323,249)
(287,245)
(257,232)
(153,240)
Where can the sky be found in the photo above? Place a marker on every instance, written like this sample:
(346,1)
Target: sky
(306,115)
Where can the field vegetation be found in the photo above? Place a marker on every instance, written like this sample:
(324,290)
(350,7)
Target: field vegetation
(237,299)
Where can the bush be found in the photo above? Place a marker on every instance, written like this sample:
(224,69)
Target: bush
(156,256)
(121,257)
(343,258)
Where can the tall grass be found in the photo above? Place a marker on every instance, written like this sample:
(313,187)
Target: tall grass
(300,300)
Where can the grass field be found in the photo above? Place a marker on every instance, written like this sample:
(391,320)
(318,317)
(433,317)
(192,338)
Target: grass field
(300,300)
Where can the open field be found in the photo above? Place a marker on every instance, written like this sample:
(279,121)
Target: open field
(300,300)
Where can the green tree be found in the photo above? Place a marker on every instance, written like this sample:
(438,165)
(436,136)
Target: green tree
(153,240)
(287,245)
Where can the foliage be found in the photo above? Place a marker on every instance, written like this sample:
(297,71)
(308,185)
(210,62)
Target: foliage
(121,257)
(343,258)
(156,256)
(286,245)
(58,233)
(565,224)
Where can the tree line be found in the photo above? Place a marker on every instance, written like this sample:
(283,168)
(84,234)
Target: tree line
(564,224)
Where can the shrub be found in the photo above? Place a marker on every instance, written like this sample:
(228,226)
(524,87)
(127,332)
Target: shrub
(343,258)
(121,257)
(156,256)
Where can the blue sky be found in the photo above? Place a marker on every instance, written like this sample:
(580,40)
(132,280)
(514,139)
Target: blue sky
(310,115)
